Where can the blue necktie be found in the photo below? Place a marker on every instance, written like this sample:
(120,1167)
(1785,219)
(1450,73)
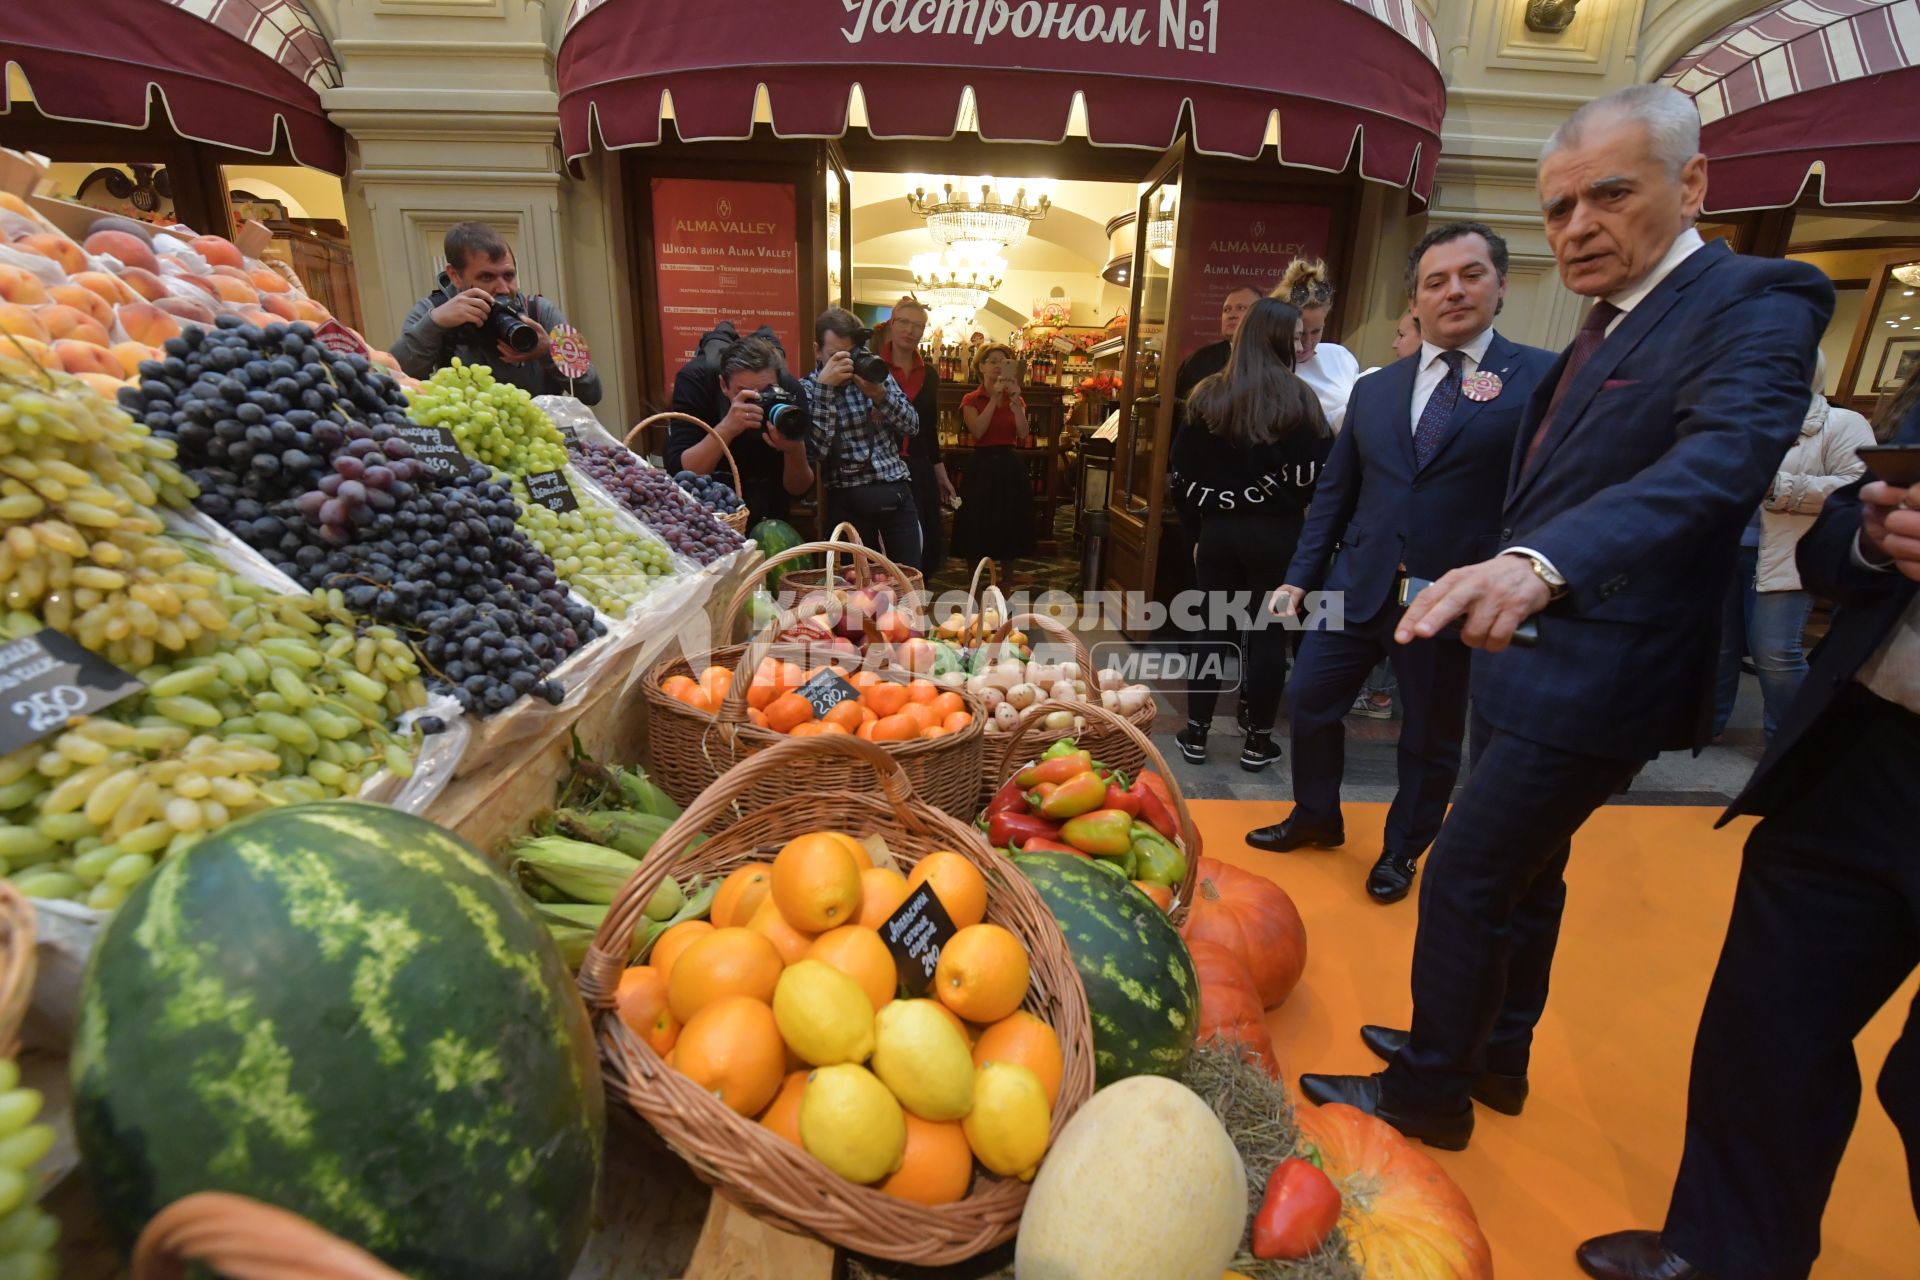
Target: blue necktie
(1439,411)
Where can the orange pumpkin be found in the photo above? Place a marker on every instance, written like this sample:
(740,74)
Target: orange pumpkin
(1229,1005)
(1403,1216)
(1253,918)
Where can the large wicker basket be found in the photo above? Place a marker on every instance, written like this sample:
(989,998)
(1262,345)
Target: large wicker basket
(242,1239)
(735,520)
(17,965)
(1105,735)
(747,1162)
(842,541)
(1026,742)
(689,748)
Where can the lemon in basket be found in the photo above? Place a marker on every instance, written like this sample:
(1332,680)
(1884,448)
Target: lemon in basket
(920,1055)
(851,1124)
(824,1016)
(1007,1127)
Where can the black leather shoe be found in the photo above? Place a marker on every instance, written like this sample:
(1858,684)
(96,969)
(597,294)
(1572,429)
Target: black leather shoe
(1447,1132)
(1634,1255)
(1283,837)
(1391,877)
(1505,1094)
(1192,741)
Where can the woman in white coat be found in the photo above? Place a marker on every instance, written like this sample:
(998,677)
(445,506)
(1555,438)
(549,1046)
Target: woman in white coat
(1327,367)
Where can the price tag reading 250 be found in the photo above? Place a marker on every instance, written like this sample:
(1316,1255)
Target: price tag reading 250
(47,681)
(551,490)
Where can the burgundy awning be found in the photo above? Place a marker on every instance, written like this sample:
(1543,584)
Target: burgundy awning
(1350,79)
(237,77)
(1832,84)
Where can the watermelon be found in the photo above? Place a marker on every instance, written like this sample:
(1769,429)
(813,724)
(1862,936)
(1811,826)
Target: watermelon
(345,1011)
(1140,983)
(773,537)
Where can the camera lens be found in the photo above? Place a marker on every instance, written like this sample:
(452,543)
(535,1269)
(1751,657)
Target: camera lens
(504,324)
(869,366)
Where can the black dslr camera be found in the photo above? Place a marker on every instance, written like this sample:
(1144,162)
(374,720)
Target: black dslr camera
(866,364)
(785,413)
(504,324)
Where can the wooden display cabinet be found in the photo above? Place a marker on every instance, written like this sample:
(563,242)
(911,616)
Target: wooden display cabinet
(1045,457)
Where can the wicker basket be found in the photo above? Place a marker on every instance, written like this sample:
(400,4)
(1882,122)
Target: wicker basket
(17,965)
(688,748)
(242,1239)
(1103,735)
(735,520)
(843,540)
(979,600)
(1025,743)
(748,1163)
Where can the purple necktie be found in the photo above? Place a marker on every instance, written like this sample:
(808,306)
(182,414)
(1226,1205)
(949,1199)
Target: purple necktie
(1585,343)
(1439,411)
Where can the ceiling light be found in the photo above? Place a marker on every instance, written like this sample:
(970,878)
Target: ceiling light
(1908,274)
(982,214)
(957,279)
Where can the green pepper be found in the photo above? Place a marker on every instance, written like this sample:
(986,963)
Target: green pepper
(1064,747)
(1058,769)
(1159,860)
(1105,833)
(1075,796)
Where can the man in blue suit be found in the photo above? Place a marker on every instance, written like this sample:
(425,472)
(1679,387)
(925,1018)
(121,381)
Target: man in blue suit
(1825,927)
(1643,453)
(1414,486)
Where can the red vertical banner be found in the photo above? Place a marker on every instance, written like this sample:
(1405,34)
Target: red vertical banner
(725,251)
(1241,244)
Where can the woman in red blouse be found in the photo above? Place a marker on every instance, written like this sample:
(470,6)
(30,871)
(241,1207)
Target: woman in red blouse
(996,497)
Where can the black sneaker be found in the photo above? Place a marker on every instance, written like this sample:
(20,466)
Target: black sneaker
(1261,750)
(1244,718)
(1192,741)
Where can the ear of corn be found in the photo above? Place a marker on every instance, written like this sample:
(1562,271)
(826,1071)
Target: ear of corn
(581,871)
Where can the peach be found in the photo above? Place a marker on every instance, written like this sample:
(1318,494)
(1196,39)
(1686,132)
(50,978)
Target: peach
(385,359)
(130,354)
(14,204)
(310,311)
(82,357)
(71,322)
(145,283)
(147,323)
(114,222)
(257,318)
(283,305)
(232,273)
(128,248)
(105,385)
(232,290)
(20,285)
(187,309)
(59,248)
(217,250)
(24,321)
(269,281)
(19,346)
(85,300)
(203,283)
(108,287)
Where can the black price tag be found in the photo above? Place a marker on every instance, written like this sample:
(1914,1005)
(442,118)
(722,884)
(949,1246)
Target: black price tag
(436,449)
(915,934)
(551,490)
(567,432)
(827,691)
(47,681)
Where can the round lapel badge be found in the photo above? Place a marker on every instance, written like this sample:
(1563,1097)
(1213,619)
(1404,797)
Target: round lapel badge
(1482,386)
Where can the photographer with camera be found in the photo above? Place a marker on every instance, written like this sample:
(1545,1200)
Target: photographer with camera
(478,315)
(860,418)
(741,388)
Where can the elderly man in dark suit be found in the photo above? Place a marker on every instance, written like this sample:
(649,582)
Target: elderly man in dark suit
(1825,927)
(1642,455)
(1413,486)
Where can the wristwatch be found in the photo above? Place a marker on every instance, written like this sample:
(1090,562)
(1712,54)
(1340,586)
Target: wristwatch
(1556,584)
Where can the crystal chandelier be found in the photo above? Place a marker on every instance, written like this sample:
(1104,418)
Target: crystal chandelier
(954,321)
(983,214)
(1908,275)
(957,279)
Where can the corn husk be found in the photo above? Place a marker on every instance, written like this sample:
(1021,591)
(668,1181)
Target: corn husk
(582,872)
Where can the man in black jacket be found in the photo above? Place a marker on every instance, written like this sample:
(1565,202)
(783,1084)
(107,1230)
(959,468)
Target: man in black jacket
(723,386)
(1823,931)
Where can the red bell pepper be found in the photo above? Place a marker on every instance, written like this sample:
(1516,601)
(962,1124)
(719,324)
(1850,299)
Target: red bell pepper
(1008,799)
(1298,1212)
(1077,795)
(1118,799)
(1058,769)
(1105,833)
(1154,811)
(1038,796)
(1010,828)
(1041,845)
(1157,785)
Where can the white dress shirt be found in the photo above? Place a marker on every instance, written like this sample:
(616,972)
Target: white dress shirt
(1684,246)
(1433,370)
(1893,670)
(1331,373)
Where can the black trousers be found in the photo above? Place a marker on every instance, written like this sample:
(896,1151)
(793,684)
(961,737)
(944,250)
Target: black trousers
(1245,555)
(884,513)
(1490,906)
(933,529)
(1332,668)
(1825,928)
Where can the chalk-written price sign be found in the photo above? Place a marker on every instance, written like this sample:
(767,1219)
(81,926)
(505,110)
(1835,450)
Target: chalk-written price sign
(915,935)
(827,691)
(436,449)
(46,681)
(551,490)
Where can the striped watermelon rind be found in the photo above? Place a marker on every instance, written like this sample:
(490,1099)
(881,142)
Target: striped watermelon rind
(1141,987)
(348,1012)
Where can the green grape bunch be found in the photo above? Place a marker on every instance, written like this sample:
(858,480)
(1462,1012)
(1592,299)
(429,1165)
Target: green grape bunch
(611,566)
(28,1233)
(495,422)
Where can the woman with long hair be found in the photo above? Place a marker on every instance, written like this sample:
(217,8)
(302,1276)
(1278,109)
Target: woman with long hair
(996,498)
(1242,474)
(1329,368)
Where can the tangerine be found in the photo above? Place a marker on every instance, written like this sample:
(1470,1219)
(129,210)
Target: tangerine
(642,1004)
(937,1167)
(732,1049)
(958,884)
(933,731)
(816,881)
(783,1113)
(983,973)
(922,691)
(882,890)
(886,698)
(788,712)
(740,894)
(813,729)
(858,952)
(947,703)
(714,682)
(846,715)
(957,721)
(771,925)
(1023,1038)
(725,963)
(895,728)
(667,948)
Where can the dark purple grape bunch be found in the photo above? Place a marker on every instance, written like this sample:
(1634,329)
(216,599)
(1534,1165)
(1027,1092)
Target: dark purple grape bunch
(661,505)
(715,495)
